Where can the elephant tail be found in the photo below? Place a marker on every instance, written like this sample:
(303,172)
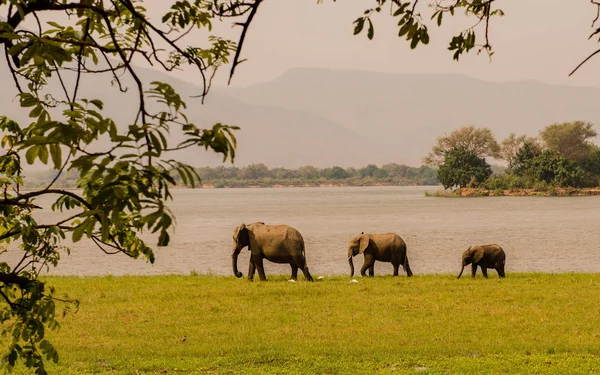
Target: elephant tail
(305,267)
(307,274)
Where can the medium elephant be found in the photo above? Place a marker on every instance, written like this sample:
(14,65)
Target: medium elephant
(484,256)
(276,243)
(384,247)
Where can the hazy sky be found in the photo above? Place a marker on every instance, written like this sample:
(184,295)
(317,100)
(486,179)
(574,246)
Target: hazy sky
(537,39)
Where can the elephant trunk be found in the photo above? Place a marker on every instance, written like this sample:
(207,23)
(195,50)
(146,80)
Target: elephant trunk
(461,270)
(234,258)
(351,263)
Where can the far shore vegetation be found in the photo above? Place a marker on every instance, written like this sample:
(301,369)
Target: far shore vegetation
(561,161)
(259,175)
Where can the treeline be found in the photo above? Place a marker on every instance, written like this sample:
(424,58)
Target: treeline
(261,175)
(562,155)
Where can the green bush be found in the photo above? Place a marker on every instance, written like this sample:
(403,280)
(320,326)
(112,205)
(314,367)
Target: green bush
(507,182)
(463,168)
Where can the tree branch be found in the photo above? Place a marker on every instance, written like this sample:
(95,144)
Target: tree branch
(245,26)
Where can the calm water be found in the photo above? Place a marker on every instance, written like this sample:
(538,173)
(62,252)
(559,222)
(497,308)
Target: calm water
(538,234)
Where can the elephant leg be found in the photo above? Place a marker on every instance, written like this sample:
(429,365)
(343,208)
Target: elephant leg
(500,270)
(369,261)
(294,271)
(258,263)
(474,269)
(301,263)
(406,267)
(484,272)
(396,266)
(251,270)
(372,270)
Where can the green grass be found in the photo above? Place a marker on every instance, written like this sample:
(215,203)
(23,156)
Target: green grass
(524,324)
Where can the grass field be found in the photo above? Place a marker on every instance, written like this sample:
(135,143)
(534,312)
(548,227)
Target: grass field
(524,324)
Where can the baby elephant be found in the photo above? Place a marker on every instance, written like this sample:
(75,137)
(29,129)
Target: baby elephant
(484,256)
(384,247)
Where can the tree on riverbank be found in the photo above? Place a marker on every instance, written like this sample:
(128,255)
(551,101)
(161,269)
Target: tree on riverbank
(462,168)
(479,141)
(563,156)
(570,139)
(512,145)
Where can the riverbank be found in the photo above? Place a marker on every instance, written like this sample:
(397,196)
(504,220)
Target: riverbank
(268,184)
(552,192)
(235,184)
(528,323)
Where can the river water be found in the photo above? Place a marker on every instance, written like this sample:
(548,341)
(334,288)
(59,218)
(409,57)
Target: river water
(545,234)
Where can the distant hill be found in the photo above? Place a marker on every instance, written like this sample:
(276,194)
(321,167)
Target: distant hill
(404,113)
(348,118)
(271,135)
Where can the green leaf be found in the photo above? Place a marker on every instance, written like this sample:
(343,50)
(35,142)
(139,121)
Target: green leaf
(360,23)
(56,25)
(43,153)
(404,29)
(371,30)
(32,154)
(163,239)
(414,41)
(98,103)
(78,233)
(56,154)
(28,100)
(425,37)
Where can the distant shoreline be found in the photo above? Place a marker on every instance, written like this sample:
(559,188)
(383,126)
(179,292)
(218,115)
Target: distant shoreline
(457,193)
(278,186)
(273,186)
(552,192)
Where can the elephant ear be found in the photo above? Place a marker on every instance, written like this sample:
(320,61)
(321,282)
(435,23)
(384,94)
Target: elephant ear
(236,232)
(363,243)
(477,253)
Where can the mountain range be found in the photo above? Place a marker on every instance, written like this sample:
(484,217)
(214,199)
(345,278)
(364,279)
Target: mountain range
(326,117)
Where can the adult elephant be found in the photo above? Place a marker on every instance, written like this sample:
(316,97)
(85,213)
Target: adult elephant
(384,247)
(276,243)
(484,256)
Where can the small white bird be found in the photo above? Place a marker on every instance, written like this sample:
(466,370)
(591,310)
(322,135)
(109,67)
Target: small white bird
(292,280)
(320,278)
(353,281)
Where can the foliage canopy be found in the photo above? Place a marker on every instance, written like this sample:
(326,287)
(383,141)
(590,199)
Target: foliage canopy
(570,139)
(123,189)
(479,141)
(562,156)
(463,168)
(511,145)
